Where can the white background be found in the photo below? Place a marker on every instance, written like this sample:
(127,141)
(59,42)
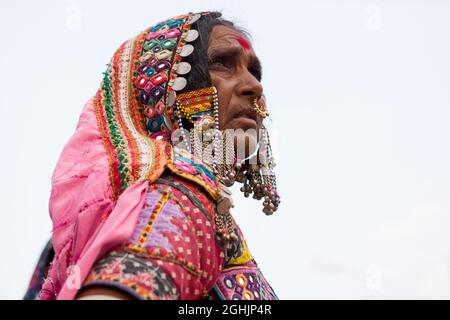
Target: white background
(359,96)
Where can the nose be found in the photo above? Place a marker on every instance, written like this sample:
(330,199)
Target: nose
(249,86)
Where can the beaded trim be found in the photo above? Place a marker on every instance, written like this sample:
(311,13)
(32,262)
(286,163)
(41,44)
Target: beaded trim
(156,253)
(159,70)
(132,156)
(134,103)
(137,109)
(192,171)
(139,247)
(196,103)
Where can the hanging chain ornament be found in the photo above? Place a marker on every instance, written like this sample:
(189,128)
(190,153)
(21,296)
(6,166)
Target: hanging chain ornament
(216,149)
(201,107)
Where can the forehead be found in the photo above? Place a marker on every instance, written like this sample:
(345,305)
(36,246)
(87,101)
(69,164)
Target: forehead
(224,36)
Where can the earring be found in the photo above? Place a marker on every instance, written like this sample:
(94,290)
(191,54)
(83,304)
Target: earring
(201,108)
(259,179)
(271,197)
(196,106)
(227,164)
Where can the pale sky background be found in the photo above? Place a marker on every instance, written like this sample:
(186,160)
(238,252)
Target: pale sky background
(360,101)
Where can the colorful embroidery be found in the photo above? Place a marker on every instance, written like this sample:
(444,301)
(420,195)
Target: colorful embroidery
(137,276)
(136,98)
(191,170)
(155,243)
(244,282)
(159,70)
(174,251)
(175,234)
(131,154)
(193,104)
(141,242)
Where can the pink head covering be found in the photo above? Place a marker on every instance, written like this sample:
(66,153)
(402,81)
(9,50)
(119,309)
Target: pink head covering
(100,180)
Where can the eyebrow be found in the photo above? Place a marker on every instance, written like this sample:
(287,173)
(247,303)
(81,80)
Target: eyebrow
(225,52)
(233,52)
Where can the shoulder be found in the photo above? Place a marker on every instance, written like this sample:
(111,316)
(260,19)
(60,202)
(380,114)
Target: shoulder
(173,244)
(183,165)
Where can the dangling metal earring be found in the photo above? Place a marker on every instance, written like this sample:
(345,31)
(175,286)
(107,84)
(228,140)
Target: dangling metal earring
(217,134)
(260,179)
(271,197)
(197,107)
(201,108)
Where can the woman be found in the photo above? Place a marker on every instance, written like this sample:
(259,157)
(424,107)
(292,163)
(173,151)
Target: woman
(139,203)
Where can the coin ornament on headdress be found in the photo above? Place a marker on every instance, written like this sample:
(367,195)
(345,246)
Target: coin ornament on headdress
(160,72)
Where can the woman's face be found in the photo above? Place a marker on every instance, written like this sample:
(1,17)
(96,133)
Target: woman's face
(236,73)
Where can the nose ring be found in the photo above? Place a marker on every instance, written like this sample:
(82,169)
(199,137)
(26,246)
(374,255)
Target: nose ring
(262,113)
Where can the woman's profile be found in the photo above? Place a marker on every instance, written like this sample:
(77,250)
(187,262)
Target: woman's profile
(140,203)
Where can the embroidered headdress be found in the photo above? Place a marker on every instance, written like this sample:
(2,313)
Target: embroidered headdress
(124,142)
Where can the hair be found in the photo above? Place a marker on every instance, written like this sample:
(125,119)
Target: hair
(199,76)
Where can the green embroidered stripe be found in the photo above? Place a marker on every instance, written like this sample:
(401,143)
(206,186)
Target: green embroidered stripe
(116,134)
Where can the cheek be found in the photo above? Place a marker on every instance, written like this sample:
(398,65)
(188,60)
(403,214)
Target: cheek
(224,109)
(224,93)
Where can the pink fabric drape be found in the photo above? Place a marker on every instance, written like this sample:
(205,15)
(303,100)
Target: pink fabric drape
(87,222)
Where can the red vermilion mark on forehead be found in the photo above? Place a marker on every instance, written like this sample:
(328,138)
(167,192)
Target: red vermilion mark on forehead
(244,43)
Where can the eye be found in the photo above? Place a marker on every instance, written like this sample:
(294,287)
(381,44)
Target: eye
(219,62)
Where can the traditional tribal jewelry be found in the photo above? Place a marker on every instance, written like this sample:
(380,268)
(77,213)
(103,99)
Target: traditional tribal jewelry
(259,111)
(196,103)
(159,78)
(217,135)
(188,143)
(271,197)
(259,179)
(223,220)
(228,164)
(201,107)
